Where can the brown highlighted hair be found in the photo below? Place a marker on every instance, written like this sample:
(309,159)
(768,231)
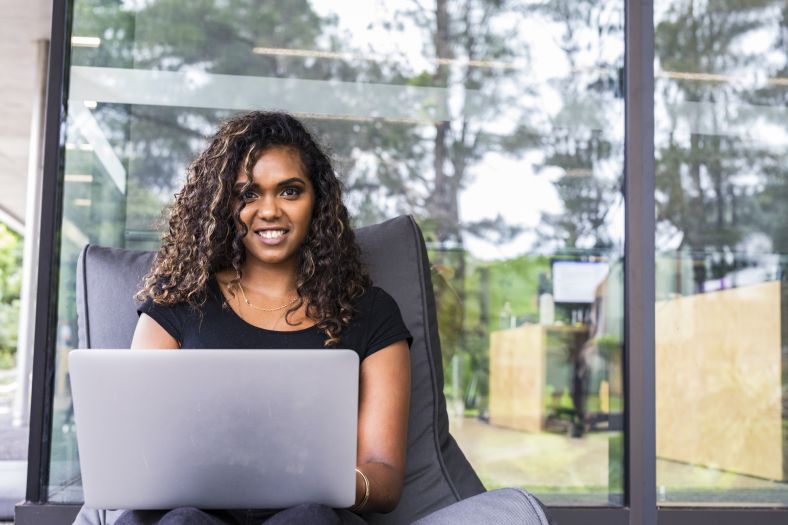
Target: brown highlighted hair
(205,232)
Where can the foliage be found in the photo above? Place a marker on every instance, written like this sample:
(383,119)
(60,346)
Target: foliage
(716,189)
(10,289)
(493,290)
(589,153)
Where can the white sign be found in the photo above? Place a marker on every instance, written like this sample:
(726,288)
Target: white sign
(576,282)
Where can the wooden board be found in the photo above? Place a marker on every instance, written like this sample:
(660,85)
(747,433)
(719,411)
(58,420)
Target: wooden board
(719,386)
(517,378)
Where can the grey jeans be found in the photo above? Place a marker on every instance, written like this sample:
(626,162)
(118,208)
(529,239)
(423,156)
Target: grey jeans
(301,514)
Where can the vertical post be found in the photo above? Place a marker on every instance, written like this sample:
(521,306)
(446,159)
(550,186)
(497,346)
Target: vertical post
(46,287)
(24,354)
(639,264)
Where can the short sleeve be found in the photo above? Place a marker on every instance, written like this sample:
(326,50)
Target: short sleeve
(167,317)
(385,324)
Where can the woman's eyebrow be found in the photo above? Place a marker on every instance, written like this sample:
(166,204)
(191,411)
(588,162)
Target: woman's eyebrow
(291,180)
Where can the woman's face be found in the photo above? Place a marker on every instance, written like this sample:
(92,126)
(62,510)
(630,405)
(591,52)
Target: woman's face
(278,206)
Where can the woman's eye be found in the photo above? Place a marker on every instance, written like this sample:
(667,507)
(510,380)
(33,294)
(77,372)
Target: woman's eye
(248,195)
(291,192)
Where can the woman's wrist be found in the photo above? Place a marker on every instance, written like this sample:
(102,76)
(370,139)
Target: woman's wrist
(362,492)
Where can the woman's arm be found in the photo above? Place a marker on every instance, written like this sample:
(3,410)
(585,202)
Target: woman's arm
(383,426)
(149,335)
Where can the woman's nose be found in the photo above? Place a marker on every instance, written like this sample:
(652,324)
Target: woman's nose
(267,208)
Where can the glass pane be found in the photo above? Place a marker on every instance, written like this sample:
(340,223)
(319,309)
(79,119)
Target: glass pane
(722,304)
(498,125)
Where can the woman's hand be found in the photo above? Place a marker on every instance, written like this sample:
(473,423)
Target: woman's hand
(384,401)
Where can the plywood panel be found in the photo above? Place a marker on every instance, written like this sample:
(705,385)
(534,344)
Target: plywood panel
(718,380)
(517,375)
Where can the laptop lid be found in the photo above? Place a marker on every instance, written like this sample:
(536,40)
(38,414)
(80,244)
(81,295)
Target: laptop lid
(268,429)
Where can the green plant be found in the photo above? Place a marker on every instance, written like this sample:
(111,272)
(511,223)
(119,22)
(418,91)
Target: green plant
(10,288)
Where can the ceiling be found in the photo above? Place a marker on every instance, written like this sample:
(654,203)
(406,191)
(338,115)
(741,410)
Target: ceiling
(22,24)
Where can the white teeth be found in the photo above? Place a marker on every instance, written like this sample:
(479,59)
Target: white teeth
(271,234)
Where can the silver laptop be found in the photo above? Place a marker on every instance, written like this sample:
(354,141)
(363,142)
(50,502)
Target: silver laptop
(267,429)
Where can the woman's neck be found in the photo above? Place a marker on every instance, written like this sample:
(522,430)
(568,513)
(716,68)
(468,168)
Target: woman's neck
(273,280)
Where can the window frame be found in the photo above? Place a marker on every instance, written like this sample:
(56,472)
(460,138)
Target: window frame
(44,338)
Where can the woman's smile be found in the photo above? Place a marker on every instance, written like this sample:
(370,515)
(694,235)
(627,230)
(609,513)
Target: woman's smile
(272,237)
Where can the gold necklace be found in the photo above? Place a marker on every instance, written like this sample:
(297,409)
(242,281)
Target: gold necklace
(243,293)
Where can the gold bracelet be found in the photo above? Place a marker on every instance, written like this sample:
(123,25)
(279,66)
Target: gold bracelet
(356,508)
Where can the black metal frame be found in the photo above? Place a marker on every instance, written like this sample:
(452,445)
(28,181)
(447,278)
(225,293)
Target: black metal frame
(46,302)
(28,513)
(639,357)
(639,277)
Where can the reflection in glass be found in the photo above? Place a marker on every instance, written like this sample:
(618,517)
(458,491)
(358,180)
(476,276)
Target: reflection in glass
(498,125)
(721,316)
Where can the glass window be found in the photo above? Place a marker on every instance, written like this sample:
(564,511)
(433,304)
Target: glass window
(721,81)
(498,125)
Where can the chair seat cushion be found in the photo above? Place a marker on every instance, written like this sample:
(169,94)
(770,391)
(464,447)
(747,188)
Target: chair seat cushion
(502,507)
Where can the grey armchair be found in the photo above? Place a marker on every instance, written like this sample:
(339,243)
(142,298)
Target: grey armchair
(440,485)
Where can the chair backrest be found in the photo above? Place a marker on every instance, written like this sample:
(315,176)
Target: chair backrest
(437,472)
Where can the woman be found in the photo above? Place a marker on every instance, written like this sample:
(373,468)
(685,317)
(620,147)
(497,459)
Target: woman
(260,254)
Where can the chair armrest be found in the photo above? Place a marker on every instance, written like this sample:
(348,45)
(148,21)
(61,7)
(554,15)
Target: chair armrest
(501,506)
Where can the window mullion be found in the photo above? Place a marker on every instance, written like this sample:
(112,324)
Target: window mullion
(639,264)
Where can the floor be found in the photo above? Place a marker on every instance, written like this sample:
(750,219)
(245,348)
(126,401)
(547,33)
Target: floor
(13,450)
(13,465)
(563,470)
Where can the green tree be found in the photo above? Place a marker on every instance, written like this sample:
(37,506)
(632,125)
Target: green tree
(589,152)
(699,192)
(10,289)
(771,203)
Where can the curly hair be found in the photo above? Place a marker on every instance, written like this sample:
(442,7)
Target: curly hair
(205,233)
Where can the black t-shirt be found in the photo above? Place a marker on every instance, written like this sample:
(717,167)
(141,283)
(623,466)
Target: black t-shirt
(376,324)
